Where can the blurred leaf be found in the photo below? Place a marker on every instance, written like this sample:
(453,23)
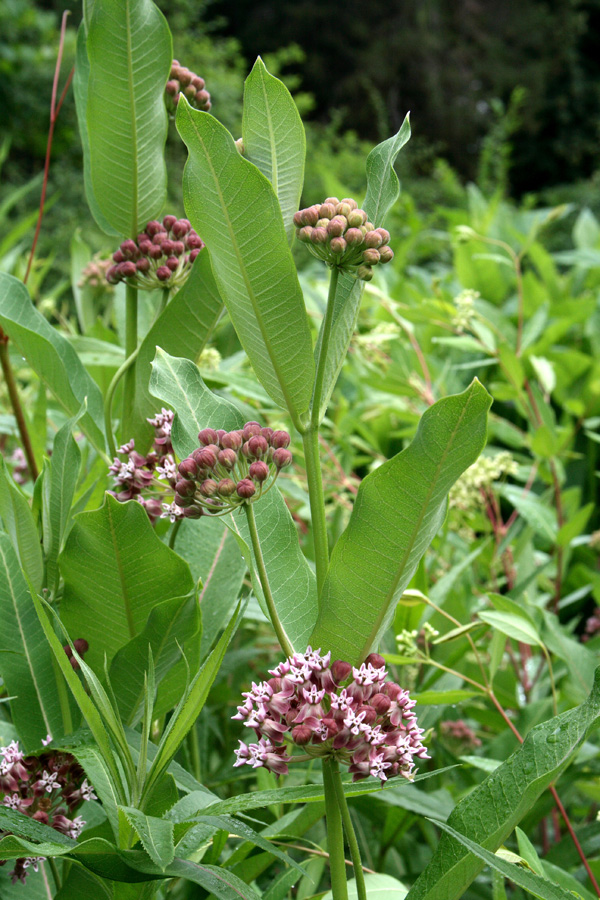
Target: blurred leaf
(398,510)
(516,627)
(378,887)
(130,53)
(383,187)
(233,206)
(116,570)
(273,137)
(19,524)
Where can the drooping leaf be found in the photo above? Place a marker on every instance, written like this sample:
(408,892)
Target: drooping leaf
(234,208)
(51,357)
(273,137)
(130,53)
(19,524)
(491,811)
(116,570)
(383,187)
(183,328)
(398,510)
(25,657)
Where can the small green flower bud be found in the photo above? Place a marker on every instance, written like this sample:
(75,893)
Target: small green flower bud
(386,254)
(318,236)
(337,226)
(365,273)
(351,203)
(373,239)
(323,223)
(226,487)
(305,234)
(338,245)
(356,218)
(343,209)
(369,226)
(371,257)
(354,237)
(327,210)
(385,235)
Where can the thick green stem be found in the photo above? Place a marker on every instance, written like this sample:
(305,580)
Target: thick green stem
(335,834)
(315,415)
(110,396)
(15,402)
(359,876)
(282,637)
(131,342)
(312,458)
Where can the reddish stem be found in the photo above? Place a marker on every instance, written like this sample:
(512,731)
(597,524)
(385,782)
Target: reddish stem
(54,111)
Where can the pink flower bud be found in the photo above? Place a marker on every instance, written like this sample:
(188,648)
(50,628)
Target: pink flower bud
(305,234)
(245,489)
(371,257)
(127,269)
(172,87)
(185,488)
(386,254)
(267,433)
(385,235)
(301,735)
(193,512)
(172,263)
(163,273)
(181,227)
(340,670)
(208,436)
(193,255)
(153,228)
(280,439)
(375,660)
(129,249)
(185,76)
(343,209)
(356,218)
(198,82)
(143,264)
(250,429)
(227,458)
(182,501)
(354,237)
(167,247)
(327,210)
(350,202)
(81,645)
(226,487)
(154,251)
(298,219)
(232,440)
(178,248)
(319,235)
(369,714)
(373,239)
(208,488)
(259,471)
(169,221)
(258,445)
(202,98)
(188,468)
(206,458)
(112,275)
(338,246)
(194,241)
(310,215)
(337,226)
(365,273)
(333,200)
(282,458)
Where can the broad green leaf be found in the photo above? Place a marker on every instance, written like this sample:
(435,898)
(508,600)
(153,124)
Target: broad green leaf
(80,92)
(130,53)
(80,883)
(529,881)
(398,510)
(116,570)
(170,624)
(214,558)
(183,328)
(489,814)
(155,834)
(234,208)
(516,627)
(292,581)
(19,524)
(59,485)
(383,187)
(24,826)
(51,357)
(378,887)
(190,706)
(216,880)
(274,140)
(178,382)
(25,657)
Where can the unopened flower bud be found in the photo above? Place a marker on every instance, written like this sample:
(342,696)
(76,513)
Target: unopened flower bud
(153,228)
(319,235)
(385,235)
(326,210)
(340,670)
(337,226)
(190,92)
(365,273)
(333,200)
(226,487)
(301,735)
(371,256)
(227,458)
(129,249)
(163,273)
(353,237)
(380,704)
(127,269)
(81,645)
(267,433)
(369,714)
(259,470)
(185,488)
(172,263)
(194,242)
(180,228)
(143,264)
(250,430)
(305,234)
(172,87)
(356,218)
(245,489)
(350,202)
(373,239)
(182,501)
(188,468)
(375,660)
(193,512)
(343,209)
(169,221)
(386,254)
(258,445)
(280,439)
(232,440)
(298,218)
(208,488)
(206,458)
(338,246)
(282,458)
(68,651)
(198,82)
(208,436)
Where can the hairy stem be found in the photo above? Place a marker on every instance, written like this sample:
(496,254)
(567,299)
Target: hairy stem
(131,346)
(282,637)
(335,834)
(359,876)
(110,396)
(315,414)
(312,458)
(15,402)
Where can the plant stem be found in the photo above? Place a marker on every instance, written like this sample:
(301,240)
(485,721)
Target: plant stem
(15,402)
(131,345)
(312,458)
(173,535)
(315,414)
(282,637)
(359,876)
(335,834)
(55,872)
(108,402)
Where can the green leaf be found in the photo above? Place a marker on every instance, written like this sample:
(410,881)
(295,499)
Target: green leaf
(383,187)
(190,706)
(532,883)
(130,54)
(24,826)
(541,517)
(398,510)
(379,887)
(178,382)
(155,834)
(443,698)
(80,253)
(489,814)
(240,829)
(25,657)
(516,627)
(184,327)
(60,485)
(116,570)
(233,206)
(80,92)
(169,625)
(19,524)
(273,137)
(214,879)
(51,357)
(214,558)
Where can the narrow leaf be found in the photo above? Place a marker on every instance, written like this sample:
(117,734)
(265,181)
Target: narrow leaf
(383,187)
(19,524)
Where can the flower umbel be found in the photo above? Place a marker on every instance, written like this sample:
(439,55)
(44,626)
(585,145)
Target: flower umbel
(160,257)
(183,81)
(332,710)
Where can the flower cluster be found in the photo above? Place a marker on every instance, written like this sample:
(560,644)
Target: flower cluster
(340,234)
(48,788)
(94,274)
(146,474)
(592,626)
(458,731)
(81,646)
(182,81)
(160,257)
(230,468)
(330,710)
(20,467)
(466,494)
(465,310)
